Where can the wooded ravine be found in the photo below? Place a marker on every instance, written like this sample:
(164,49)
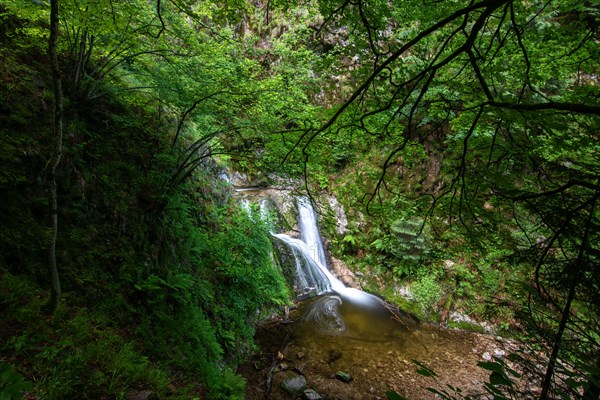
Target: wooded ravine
(365,198)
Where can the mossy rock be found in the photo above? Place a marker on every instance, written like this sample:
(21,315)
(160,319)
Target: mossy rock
(343,376)
(294,385)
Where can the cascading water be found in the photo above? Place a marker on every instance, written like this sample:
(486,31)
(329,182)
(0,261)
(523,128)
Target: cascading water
(343,329)
(309,231)
(313,278)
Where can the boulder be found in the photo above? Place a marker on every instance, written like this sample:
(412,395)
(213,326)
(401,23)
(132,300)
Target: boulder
(294,385)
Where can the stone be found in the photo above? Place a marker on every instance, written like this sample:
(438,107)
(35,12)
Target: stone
(499,354)
(294,385)
(310,394)
(333,356)
(343,376)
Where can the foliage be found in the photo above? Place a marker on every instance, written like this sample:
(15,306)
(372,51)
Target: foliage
(406,244)
(427,291)
(12,384)
(503,95)
(162,272)
(466,133)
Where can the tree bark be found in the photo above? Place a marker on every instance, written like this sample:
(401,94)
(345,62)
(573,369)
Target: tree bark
(55,289)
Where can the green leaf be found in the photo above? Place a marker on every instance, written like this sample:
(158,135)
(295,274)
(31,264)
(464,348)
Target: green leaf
(491,366)
(12,383)
(497,378)
(392,395)
(443,394)
(349,239)
(424,369)
(573,384)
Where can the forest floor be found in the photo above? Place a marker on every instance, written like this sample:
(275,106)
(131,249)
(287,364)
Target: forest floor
(375,367)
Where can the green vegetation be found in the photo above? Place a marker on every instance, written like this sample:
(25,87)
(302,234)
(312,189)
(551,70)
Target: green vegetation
(162,273)
(461,139)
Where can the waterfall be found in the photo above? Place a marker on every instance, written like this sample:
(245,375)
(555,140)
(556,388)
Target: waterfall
(309,231)
(325,313)
(313,277)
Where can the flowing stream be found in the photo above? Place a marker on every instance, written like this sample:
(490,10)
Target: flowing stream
(336,310)
(337,328)
(340,328)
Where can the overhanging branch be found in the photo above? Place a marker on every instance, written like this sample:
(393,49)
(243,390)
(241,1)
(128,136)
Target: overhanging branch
(579,108)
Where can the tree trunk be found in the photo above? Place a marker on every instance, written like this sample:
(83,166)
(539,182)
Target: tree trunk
(55,289)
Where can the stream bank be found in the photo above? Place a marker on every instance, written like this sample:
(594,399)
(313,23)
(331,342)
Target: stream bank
(286,350)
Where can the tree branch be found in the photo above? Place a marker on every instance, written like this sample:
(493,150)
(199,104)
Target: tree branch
(579,108)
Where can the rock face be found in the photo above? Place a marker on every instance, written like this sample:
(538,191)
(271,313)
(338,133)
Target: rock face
(343,273)
(340,215)
(343,376)
(294,385)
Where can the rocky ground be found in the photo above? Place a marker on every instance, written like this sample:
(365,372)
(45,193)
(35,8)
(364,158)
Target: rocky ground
(375,367)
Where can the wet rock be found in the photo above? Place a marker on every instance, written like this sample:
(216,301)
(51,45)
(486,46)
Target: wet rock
(294,385)
(343,376)
(239,179)
(343,273)
(310,394)
(334,355)
(340,215)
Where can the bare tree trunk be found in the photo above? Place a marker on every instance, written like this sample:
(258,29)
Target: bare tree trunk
(55,289)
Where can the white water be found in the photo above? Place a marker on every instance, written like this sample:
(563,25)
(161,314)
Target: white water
(309,232)
(312,275)
(311,262)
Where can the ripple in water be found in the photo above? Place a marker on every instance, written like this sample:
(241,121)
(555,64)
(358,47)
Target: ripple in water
(323,315)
